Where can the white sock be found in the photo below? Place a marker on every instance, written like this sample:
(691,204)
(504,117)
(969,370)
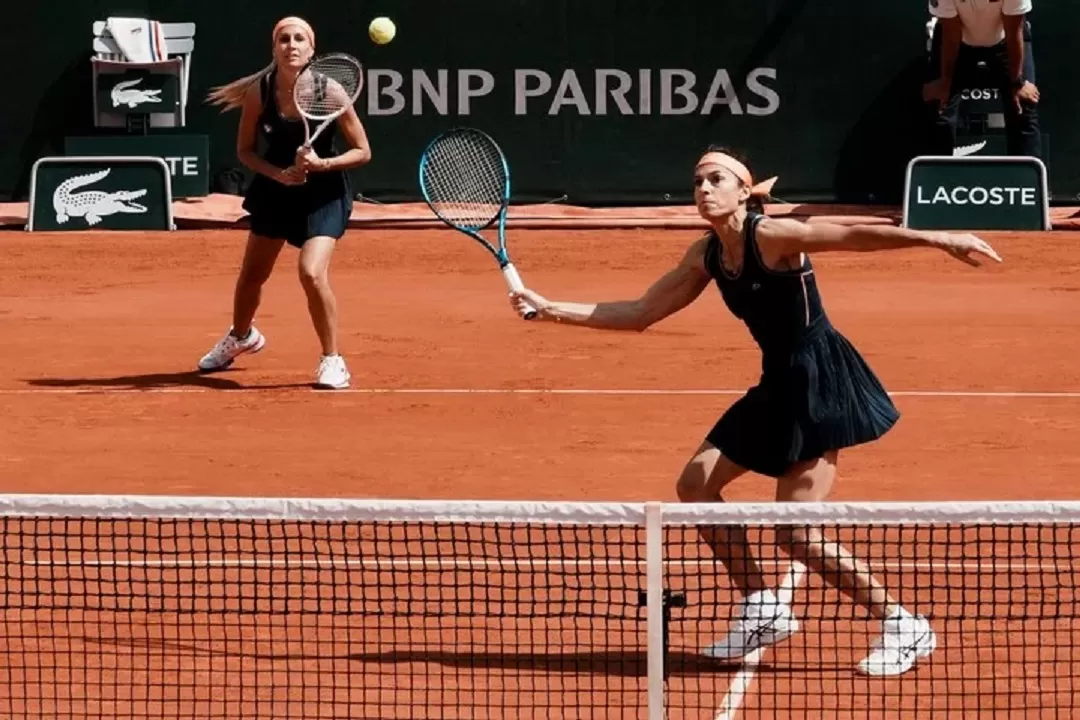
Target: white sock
(763,597)
(900,613)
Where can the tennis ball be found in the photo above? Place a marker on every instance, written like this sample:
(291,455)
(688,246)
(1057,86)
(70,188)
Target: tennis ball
(381,30)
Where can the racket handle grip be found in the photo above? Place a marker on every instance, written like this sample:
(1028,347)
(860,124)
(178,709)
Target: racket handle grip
(513,280)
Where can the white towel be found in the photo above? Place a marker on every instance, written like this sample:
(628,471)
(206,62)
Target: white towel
(140,40)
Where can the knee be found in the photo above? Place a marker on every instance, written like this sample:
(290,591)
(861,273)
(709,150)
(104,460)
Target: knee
(312,276)
(706,475)
(255,272)
(254,277)
(693,485)
(796,540)
(687,489)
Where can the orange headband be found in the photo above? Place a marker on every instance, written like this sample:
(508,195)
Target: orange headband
(298,22)
(762,189)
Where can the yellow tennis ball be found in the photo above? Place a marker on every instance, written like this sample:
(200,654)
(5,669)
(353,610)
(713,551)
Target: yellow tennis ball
(381,30)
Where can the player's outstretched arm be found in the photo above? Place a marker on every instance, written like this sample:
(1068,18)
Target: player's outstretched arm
(675,290)
(791,237)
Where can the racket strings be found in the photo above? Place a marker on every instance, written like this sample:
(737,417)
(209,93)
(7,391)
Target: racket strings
(327,86)
(465,179)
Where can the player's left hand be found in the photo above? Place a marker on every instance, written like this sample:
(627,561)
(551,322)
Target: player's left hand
(962,245)
(309,160)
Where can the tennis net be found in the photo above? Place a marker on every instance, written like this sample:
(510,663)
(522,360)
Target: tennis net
(182,607)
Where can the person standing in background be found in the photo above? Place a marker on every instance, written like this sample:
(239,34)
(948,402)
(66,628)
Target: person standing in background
(990,32)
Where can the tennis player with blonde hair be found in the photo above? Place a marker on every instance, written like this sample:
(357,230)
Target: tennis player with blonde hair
(815,397)
(298,195)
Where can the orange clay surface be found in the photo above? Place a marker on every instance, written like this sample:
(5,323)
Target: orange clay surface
(100,334)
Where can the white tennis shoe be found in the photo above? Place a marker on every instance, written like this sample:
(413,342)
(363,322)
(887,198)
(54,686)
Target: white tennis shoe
(761,621)
(229,348)
(904,639)
(332,373)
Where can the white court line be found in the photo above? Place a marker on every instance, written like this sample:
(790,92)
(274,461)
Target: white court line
(745,677)
(989,566)
(500,391)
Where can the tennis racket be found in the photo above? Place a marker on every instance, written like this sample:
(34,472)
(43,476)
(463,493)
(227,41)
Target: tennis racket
(325,89)
(465,180)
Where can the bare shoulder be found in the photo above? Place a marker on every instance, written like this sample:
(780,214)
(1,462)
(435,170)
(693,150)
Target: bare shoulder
(779,237)
(697,248)
(253,99)
(249,115)
(775,228)
(694,257)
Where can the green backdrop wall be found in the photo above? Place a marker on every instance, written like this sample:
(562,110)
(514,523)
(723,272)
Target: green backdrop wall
(600,101)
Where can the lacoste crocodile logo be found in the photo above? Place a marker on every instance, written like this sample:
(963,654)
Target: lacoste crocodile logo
(965,150)
(125,93)
(93,204)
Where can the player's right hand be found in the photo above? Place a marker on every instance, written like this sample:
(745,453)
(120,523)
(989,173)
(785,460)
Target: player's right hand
(520,300)
(292,175)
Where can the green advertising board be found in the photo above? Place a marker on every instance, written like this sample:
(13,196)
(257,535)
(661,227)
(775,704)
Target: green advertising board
(100,193)
(187,155)
(976,193)
(600,102)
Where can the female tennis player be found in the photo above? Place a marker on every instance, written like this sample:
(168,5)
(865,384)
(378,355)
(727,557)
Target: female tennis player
(815,396)
(297,196)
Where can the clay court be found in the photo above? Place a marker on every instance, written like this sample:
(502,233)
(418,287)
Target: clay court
(454,397)
(484,525)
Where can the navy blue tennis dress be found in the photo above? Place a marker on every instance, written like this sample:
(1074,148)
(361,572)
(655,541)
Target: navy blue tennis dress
(816,393)
(295,213)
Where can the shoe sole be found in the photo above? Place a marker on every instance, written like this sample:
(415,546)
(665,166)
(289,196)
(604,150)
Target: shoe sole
(225,366)
(327,386)
(774,640)
(900,670)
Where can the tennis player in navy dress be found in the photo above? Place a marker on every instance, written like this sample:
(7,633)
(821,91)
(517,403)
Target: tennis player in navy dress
(816,395)
(298,196)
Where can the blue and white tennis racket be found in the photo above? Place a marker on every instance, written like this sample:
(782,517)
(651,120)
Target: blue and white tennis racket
(465,180)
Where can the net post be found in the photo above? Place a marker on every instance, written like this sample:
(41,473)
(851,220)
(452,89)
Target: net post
(655,607)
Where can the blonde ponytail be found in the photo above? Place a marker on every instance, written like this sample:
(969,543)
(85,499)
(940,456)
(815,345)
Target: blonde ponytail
(231,96)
